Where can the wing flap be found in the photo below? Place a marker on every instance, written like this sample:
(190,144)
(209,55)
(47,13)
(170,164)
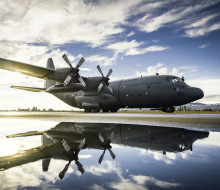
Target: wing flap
(32,89)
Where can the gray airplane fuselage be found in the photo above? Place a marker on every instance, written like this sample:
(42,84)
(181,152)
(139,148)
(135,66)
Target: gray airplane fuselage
(159,91)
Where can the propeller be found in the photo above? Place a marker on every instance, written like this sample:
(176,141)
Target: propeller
(106,145)
(74,71)
(73,155)
(105,80)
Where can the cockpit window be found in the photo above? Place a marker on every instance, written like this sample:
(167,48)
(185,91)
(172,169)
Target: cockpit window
(176,80)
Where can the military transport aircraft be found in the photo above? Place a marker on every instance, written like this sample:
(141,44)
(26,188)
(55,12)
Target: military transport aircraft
(66,140)
(93,94)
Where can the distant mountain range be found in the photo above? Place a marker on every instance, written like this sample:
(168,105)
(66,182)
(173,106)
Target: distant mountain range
(200,106)
(191,106)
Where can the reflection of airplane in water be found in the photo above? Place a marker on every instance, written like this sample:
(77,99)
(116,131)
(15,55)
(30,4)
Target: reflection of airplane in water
(66,139)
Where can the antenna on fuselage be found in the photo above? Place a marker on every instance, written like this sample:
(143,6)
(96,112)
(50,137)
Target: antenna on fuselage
(183,79)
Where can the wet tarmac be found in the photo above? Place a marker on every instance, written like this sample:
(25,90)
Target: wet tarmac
(194,121)
(109,151)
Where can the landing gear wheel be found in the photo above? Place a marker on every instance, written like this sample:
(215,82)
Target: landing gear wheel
(168,109)
(105,110)
(114,110)
(87,110)
(96,110)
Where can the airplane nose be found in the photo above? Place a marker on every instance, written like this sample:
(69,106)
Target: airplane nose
(193,94)
(198,93)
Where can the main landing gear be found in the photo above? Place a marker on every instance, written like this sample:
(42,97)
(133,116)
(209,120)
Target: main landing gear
(104,110)
(168,109)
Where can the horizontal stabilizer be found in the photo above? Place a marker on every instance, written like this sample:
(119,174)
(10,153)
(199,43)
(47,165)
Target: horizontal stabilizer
(32,89)
(31,133)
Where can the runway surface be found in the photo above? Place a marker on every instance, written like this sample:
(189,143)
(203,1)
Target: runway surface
(194,121)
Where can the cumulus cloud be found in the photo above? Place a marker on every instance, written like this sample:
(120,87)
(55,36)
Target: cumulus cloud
(161,69)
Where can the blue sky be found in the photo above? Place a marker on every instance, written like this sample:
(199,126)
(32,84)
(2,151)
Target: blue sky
(133,38)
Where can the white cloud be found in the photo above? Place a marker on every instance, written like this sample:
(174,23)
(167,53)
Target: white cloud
(195,32)
(161,69)
(131,34)
(201,21)
(103,60)
(143,180)
(134,48)
(56,22)
(152,22)
(122,47)
(203,46)
(104,168)
(186,16)
(145,50)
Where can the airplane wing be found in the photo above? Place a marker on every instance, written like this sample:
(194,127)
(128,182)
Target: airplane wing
(32,89)
(30,155)
(27,69)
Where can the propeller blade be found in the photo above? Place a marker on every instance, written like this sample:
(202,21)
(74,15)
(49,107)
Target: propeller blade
(109,73)
(101,157)
(100,70)
(66,146)
(110,88)
(101,138)
(100,87)
(112,154)
(80,166)
(62,173)
(81,144)
(67,80)
(111,136)
(82,81)
(67,60)
(80,63)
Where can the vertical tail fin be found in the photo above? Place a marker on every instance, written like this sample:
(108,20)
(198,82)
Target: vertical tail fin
(50,65)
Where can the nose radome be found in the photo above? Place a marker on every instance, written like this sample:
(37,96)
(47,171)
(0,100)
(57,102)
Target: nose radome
(198,93)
